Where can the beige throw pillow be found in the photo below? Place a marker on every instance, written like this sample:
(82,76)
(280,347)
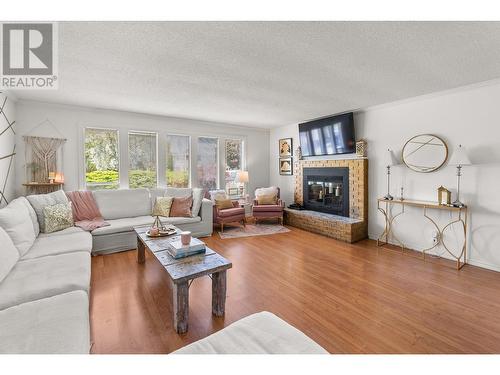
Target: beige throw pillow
(162,206)
(267,199)
(223,204)
(57,217)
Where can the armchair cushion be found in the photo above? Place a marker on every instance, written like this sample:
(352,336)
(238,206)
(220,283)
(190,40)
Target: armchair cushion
(268,208)
(231,212)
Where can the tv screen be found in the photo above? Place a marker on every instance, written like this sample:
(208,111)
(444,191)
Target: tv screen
(328,136)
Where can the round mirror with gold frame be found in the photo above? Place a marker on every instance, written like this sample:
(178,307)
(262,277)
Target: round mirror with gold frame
(425,153)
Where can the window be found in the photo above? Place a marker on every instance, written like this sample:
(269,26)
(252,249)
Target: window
(208,170)
(178,160)
(102,164)
(142,160)
(233,161)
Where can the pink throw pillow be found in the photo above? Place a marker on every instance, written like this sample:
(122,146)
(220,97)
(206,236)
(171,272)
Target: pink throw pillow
(181,207)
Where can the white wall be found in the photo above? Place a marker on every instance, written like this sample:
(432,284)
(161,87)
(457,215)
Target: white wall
(7,142)
(469,116)
(69,122)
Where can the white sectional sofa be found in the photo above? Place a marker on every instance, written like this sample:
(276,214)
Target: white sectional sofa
(44,285)
(45,278)
(261,333)
(129,208)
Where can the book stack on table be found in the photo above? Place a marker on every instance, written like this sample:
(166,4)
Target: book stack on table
(177,250)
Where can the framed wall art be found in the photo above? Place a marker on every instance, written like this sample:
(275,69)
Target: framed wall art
(286,166)
(286,147)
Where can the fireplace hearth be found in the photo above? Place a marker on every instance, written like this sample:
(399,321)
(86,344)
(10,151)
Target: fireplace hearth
(334,194)
(326,190)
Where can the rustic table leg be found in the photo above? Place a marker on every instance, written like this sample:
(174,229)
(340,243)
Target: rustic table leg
(180,297)
(141,251)
(218,293)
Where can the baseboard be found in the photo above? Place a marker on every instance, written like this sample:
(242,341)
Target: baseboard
(472,262)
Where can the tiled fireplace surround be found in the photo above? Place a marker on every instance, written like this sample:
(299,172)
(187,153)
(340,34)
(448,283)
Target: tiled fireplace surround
(349,229)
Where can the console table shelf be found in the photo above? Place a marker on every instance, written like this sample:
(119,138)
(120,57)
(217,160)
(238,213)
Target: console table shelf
(42,187)
(385,207)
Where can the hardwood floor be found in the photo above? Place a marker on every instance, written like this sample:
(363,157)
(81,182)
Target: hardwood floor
(349,298)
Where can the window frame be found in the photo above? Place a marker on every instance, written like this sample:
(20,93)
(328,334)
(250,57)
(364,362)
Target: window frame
(190,170)
(217,163)
(118,150)
(242,157)
(131,131)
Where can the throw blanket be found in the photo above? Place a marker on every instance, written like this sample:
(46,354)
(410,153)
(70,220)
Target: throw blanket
(86,214)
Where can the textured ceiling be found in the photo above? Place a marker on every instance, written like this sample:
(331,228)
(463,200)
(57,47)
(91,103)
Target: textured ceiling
(265,74)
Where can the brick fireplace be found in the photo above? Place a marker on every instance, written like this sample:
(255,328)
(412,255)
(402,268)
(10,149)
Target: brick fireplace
(324,214)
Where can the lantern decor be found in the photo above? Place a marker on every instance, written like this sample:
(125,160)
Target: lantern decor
(52,177)
(444,196)
(361,148)
(59,178)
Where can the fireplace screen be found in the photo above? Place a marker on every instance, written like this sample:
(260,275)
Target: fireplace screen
(327,190)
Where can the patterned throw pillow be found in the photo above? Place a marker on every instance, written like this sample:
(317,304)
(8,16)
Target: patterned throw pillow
(162,206)
(57,217)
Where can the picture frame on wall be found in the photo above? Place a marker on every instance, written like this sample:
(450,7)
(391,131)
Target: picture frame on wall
(286,166)
(233,192)
(286,147)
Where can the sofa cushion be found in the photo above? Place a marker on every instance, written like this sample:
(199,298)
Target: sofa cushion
(69,230)
(34,219)
(118,204)
(198,194)
(180,220)
(15,220)
(178,192)
(56,244)
(123,225)
(261,333)
(45,277)
(55,325)
(9,255)
(39,201)
(231,212)
(128,224)
(155,193)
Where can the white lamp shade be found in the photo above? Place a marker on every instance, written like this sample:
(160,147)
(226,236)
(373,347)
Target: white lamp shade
(459,157)
(242,176)
(390,159)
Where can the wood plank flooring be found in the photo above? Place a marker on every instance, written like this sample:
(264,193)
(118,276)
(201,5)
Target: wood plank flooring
(349,298)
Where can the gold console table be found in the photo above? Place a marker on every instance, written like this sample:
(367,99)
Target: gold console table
(384,206)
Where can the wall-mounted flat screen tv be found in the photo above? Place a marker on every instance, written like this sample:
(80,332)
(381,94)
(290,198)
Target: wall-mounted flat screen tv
(328,136)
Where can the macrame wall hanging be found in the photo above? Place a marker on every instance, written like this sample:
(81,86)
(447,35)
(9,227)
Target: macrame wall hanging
(44,157)
(6,126)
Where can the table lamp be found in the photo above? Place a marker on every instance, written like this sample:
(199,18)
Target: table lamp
(242,178)
(389,161)
(459,158)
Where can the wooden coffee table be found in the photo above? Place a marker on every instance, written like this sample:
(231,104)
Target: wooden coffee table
(183,271)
